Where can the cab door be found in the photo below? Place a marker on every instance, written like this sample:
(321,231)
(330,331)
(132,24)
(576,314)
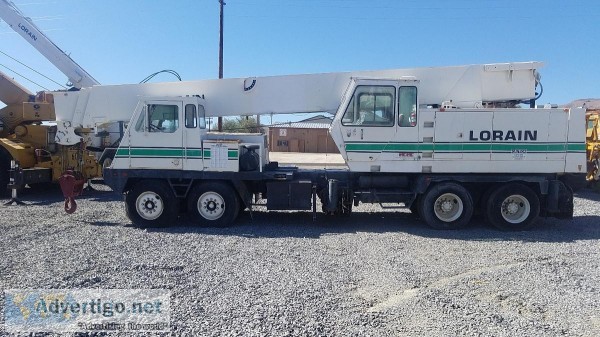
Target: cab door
(407,146)
(155,141)
(379,126)
(194,130)
(369,122)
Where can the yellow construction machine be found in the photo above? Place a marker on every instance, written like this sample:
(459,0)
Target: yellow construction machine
(27,136)
(28,122)
(592,141)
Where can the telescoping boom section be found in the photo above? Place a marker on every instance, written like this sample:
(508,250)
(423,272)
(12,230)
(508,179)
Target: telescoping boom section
(443,142)
(470,86)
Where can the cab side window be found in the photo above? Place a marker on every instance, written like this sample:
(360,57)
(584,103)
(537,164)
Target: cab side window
(407,106)
(163,118)
(191,119)
(202,116)
(140,125)
(371,106)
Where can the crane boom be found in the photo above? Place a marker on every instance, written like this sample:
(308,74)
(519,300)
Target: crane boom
(468,86)
(24,26)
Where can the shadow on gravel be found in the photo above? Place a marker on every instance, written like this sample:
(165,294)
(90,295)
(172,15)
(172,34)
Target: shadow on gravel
(300,225)
(104,223)
(46,194)
(588,194)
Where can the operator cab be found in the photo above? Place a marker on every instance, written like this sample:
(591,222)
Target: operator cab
(376,123)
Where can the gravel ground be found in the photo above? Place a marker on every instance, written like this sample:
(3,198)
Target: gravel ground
(377,273)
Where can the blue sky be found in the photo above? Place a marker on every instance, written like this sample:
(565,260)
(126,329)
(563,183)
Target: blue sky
(124,41)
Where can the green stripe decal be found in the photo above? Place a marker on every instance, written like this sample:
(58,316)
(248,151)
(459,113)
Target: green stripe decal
(379,147)
(171,153)
(193,153)
(576,147)
(231,154)
(465,147)
(122,153)
(156,152)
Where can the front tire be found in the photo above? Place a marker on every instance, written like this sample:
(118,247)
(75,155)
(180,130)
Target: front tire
(213,204)
(446,206)
(151,203)
(513,207)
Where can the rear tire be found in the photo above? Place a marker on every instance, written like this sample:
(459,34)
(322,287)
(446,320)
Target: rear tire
(213,204)
(446,206)
(513,207)
(5,159)
(151,203)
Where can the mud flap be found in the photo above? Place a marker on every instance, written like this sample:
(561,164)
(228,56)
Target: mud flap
(559,203)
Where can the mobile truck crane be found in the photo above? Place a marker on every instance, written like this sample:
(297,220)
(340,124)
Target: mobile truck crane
(445,142)
(442,141)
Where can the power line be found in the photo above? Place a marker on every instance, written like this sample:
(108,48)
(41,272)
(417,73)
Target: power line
(389,18)
(28,67)
(39,85)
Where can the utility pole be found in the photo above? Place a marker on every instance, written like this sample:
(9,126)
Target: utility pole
(221,3)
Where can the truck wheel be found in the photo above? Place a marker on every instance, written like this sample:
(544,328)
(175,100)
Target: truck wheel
(213,204)
(151,203)
(513,207)
(4,172)
(446,206)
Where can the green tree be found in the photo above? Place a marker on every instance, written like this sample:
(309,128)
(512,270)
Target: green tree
(241,125)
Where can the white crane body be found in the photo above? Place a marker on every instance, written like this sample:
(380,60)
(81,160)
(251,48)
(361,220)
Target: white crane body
(464,138)
(432,139)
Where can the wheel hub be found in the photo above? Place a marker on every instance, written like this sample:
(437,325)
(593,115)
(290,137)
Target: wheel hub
(448,207)
(211,205)
(149,205)
(515,209)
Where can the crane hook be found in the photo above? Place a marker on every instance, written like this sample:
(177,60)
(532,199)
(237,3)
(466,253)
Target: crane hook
(70,205)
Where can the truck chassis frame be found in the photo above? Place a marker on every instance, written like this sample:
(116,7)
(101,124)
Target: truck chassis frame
(444,201)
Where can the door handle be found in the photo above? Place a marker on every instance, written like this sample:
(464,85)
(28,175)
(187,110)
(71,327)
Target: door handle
(362,134)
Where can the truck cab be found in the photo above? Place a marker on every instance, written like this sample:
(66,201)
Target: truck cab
(382,127)
(170,133)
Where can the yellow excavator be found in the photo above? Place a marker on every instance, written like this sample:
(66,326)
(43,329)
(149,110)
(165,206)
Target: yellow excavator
(21,130)
(28,121)
(592,141)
